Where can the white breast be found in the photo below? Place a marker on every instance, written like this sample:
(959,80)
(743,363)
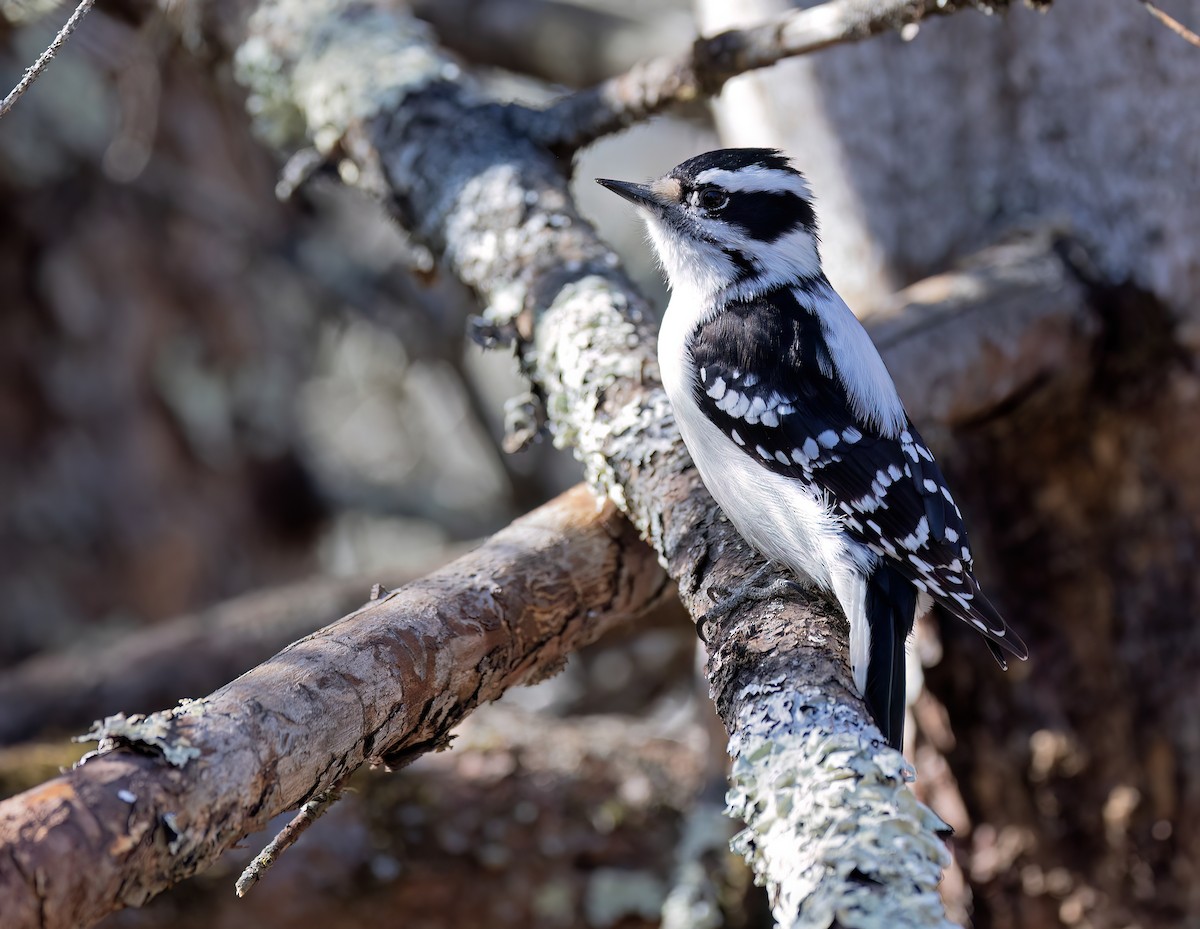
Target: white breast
(781,518)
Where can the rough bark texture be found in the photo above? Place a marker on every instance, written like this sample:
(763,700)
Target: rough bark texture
(529,822)
(170,792)
(63,691)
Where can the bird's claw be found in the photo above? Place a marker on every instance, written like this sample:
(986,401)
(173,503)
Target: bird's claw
(726,600)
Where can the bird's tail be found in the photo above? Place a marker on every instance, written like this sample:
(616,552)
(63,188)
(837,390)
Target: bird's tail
(891,609)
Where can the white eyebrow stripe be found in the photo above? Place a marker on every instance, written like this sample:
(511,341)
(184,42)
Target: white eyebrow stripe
(756,179)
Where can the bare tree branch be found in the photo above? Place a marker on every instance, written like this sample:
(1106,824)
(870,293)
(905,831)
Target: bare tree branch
(149,668)
(1172,23)
(32,72)
(168,793)
(474,836)
(309,813)
(651,87)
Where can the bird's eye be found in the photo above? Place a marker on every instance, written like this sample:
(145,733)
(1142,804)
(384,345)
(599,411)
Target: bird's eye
(711,199)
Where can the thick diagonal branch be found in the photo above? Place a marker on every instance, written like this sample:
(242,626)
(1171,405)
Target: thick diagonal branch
(382,685)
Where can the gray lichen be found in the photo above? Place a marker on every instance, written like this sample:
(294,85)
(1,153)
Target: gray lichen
(314,67)
(831,827)
(587,341)
(158,731)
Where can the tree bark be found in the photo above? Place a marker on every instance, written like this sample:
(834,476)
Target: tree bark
(531,821)
(64,691)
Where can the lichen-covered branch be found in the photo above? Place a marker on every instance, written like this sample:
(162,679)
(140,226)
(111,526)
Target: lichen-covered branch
(168,793)
(460,174)
(829,821)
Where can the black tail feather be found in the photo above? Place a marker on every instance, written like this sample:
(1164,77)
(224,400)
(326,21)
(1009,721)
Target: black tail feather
(891,610)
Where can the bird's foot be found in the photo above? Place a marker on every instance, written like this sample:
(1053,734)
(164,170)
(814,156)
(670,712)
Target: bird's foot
(726,600)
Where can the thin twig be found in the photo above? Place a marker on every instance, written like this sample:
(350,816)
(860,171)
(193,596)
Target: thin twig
(1172,23)
(648,88)
(32,72)
(309,813)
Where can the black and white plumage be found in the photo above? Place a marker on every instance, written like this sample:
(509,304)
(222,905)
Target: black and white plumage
(792,418)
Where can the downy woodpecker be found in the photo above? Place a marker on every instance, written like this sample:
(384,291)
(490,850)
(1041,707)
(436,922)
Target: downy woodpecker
(792,419)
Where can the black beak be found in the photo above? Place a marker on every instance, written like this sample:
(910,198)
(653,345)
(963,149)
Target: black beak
(637,194)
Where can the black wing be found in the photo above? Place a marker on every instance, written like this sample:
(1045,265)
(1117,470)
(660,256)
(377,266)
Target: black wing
(786,409)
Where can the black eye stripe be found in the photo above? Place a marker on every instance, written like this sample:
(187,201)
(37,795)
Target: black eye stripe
(767,215)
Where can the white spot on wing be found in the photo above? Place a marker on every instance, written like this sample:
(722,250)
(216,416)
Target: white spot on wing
(918,537)
(757,407)
(717,391)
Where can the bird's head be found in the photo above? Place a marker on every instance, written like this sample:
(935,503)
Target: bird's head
(736,217)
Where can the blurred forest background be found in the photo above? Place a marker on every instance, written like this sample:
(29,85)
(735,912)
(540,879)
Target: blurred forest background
(223,417)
